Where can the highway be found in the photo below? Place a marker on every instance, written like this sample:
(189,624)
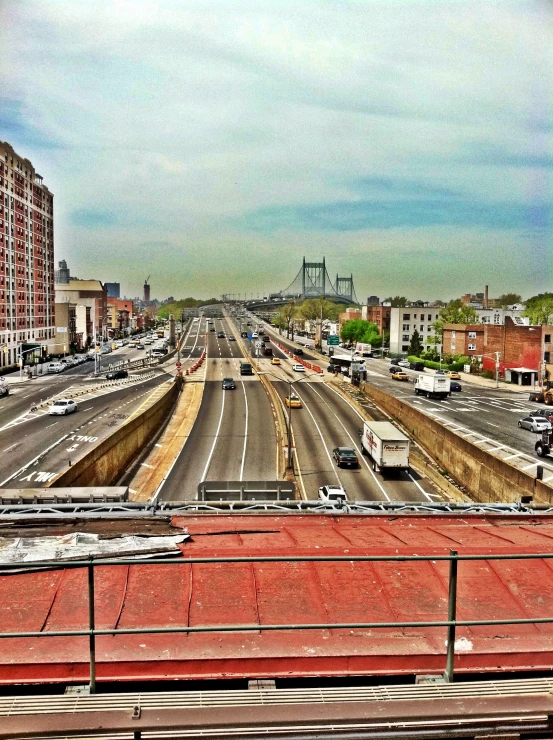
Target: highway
(488,416)
(234,437)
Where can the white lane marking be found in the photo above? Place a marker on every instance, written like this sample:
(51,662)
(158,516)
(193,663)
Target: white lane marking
(371,471)
(57,422)
(492,425)
(27,396)
(322,439)
(34,460)
(532,465)
(215,439)
(421,489)
(510,457)
(11,447)
(245,433)
(88,409)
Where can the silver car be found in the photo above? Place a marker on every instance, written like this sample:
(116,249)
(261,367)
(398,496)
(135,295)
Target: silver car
(535,424)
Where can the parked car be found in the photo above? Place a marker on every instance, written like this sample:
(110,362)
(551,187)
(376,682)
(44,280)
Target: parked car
(400,375)
(455,386)
(158,352)
(535,423)
(228,384)
(403,363)
(416,366)
(117,374)
(345,457)
(299,351)
(298,368)
(56,367)
(62,407)
(395,369)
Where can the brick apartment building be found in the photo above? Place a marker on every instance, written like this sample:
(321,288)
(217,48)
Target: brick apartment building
(523,350)
(26,256)
(120,315)
(379,315)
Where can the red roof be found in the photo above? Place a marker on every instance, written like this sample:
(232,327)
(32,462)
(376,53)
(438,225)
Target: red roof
(286,593)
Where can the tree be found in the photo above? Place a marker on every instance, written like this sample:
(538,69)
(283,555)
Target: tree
(286,315)
(176,307)
(507,299)
(539,308)
(398,300)
(454,313)
(319,308)
(415,345)
(359,330)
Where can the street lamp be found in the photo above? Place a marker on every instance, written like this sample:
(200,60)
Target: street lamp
(290,384)
(496,358)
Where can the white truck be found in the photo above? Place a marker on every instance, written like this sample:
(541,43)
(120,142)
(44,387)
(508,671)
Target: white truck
(363,349)
(387,447)
(433,386)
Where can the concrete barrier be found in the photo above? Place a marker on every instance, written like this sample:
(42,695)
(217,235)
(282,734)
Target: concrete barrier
(107,461)
(486,477)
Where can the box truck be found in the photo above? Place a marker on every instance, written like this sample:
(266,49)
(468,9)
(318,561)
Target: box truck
(387,447)
(363,349)
(433,386)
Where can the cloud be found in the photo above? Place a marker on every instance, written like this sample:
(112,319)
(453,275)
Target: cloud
(247,132)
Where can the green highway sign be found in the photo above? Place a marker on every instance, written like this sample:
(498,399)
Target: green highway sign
(333,339)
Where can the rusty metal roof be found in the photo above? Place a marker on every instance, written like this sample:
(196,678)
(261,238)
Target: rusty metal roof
(170,595)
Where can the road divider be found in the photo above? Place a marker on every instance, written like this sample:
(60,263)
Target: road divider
(487,478)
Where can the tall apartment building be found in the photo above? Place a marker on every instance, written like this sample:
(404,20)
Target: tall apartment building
(26,256)
(404,321)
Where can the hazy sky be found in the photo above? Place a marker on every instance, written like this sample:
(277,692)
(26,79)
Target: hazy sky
(214,144)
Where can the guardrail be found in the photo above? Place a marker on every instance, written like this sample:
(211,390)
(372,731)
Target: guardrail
(451,623)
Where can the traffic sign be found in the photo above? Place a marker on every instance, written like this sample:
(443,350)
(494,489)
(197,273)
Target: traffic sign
(333,339)
(179,365)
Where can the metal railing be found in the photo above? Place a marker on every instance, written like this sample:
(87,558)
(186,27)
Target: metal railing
(451,623)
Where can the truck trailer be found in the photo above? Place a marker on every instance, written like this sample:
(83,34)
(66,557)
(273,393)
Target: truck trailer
(433,386)
(387,447)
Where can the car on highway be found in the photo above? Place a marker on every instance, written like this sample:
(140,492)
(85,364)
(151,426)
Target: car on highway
(294,402)
(404,363)
(56,367)
(231,338)
(255,335)
(117,374)
(212,328)
(453,374)
(220,335)
(140,345)
(345,457)
(266,338)
(395,369)
(455,386)
(62,407)
(400,375)
(536,423)
(228,384)
(158,352)
(298,368)
(275,361)
(332,494)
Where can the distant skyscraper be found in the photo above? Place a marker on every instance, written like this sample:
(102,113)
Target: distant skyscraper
(63,274)
(114,290)
(146,292)
(26,256)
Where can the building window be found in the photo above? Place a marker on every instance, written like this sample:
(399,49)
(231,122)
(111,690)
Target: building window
(404,347)
(547,338)
(414,315)
(405,327)
(547,356)
(406,316)
(421,329)
(471,347)
(472,335)
(405,338)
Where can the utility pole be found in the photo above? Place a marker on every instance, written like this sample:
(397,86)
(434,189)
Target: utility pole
(497,356)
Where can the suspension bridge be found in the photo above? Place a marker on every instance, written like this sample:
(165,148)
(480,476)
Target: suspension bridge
(313,281)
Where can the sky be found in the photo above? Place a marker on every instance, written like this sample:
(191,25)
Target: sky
(212,145)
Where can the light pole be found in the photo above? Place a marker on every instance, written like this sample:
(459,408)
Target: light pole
(290,384)
(496,358)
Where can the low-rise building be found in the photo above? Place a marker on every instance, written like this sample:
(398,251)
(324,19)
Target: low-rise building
(523,352)
(90,301)
(120,316)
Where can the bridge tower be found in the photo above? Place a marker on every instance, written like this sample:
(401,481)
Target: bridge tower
(344,287)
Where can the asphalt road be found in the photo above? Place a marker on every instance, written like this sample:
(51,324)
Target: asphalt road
(234,435)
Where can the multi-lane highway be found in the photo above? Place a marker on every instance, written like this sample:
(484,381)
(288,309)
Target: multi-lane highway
(234,437)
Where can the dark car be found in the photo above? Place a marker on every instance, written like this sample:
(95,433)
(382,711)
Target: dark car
(266,338)
(416,365)
(345,457)
(228,384)
(333,368)
(212,328)
(545,413)
(221,335)
(394,369)
(117,374)
(299,352)
(455,385)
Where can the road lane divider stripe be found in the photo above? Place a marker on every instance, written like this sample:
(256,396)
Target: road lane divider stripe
(245,433)
(322,438)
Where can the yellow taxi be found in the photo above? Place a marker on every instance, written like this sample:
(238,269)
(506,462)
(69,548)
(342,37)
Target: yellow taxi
(275,361)
(293,401)
(400,375)
(453,375)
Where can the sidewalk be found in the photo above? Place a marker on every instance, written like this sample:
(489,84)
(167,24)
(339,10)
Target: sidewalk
(490,383)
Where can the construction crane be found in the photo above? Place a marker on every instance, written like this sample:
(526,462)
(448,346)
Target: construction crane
(146,281)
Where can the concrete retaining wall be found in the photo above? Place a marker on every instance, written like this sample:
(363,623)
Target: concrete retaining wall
(486,477)
(107,461)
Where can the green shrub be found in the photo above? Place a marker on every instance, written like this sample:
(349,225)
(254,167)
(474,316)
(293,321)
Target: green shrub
(9,369)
